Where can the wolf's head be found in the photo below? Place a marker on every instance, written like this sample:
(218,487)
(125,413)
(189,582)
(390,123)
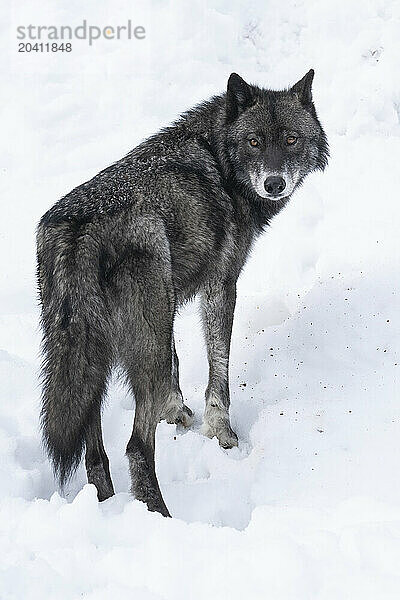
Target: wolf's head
(274,139)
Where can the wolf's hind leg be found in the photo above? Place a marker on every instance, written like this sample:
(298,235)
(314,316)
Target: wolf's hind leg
(96,460)
(151,384)
(175,410)
(146,315)
(140,452)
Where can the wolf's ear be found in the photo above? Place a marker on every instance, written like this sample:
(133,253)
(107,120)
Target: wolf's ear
(302,89)
(238,96)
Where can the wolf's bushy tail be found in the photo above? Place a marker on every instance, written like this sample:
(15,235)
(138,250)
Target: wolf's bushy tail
(76,348)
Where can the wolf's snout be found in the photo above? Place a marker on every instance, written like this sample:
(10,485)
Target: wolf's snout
(274,185)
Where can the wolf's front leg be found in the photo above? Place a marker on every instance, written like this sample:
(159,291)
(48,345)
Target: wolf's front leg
(218,305)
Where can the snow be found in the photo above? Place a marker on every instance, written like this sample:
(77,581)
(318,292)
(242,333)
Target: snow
(308,505)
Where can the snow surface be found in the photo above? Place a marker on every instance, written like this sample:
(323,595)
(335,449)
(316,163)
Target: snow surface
(308,505)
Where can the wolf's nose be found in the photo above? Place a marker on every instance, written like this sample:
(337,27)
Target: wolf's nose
(274,185)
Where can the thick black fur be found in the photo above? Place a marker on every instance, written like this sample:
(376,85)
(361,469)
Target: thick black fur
(119,254)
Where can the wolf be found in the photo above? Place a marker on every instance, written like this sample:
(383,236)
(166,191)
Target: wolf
(118,255)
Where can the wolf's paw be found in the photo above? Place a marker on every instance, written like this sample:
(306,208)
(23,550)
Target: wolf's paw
(177,413)
(227,437)
(224,433)
(100,477)
(184,416)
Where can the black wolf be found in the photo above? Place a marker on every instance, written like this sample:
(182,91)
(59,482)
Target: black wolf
(119,254)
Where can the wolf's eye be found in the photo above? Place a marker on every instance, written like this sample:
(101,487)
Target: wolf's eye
(291,140)
(253,142)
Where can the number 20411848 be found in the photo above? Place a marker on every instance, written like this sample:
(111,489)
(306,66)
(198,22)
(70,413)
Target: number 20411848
(44,47)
